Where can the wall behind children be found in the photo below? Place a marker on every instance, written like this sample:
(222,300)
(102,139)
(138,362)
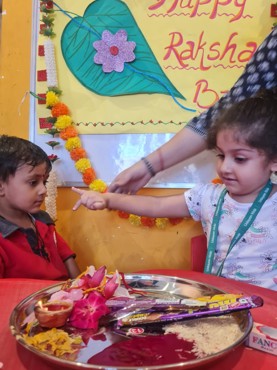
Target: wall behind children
(112,130)
(99,237)
(189,58)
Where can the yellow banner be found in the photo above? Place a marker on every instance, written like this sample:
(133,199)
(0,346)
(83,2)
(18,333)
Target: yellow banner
(149,66)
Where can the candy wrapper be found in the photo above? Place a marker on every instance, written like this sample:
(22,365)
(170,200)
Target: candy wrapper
(124,305)
(190,310)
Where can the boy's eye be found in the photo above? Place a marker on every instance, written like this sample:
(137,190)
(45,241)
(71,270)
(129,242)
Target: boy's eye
(220,156)
(33,183)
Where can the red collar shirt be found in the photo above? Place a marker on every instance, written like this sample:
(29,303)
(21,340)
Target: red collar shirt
(40,256)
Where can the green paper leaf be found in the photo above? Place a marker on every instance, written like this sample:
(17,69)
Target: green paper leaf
(142,76)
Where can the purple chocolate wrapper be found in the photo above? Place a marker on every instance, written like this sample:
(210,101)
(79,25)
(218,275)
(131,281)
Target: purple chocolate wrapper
(211,309)
(123,306)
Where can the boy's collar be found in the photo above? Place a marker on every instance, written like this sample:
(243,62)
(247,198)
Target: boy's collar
(7,227)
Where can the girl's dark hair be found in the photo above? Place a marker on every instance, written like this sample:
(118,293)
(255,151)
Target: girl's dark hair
(254,120)
(16,152)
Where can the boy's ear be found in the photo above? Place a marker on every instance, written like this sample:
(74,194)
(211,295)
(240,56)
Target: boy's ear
(2,191)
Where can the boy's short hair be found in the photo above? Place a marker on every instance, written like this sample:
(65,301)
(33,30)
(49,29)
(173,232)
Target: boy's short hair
(254,119)
(16,152)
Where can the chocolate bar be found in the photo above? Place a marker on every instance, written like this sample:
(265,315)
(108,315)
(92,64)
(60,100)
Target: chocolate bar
(211,308)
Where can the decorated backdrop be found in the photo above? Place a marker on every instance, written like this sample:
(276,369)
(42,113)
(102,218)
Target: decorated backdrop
(113,80)
(148,66)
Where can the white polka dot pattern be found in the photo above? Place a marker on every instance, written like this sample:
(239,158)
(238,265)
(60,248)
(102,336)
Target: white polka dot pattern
(260,72)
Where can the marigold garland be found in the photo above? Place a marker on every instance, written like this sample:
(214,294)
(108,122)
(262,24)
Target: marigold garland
(78,153)
(68,132)
(63,126)
(59,109)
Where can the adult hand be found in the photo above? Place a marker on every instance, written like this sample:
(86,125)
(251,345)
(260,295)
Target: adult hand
(130,180)
(90,199)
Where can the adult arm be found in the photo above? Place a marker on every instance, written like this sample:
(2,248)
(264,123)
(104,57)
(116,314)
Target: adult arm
(184,144)
(260,72)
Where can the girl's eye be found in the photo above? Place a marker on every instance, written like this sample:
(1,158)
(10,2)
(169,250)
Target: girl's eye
(220,156)
(240,159)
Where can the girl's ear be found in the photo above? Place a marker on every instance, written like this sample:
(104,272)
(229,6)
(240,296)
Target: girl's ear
(274,165)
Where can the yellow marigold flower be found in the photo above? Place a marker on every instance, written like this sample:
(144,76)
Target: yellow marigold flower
(161,223)
(82,164)
(51,99)
(72,143)
(134,220)
(63,122)
(55,341)
(98,185)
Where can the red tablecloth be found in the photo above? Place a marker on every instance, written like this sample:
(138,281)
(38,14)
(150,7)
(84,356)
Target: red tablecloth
(15,357)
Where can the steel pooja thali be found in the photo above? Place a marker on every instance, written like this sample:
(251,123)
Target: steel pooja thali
(110,349)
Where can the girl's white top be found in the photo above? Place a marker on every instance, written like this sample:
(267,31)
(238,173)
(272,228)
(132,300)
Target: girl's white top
(254,258)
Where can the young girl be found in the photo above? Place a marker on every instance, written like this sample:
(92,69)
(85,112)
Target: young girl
(239,216)
(30,247)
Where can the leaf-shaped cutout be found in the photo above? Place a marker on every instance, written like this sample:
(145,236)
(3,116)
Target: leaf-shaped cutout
(143,75)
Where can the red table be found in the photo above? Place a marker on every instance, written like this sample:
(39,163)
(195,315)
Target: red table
(15,357)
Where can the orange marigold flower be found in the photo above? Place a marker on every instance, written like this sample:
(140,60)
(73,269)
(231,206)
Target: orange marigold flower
(175,221)
(147,221)
(77,154)
(89,176)
(68,132)
(217,180)
(59,109)
(123,214)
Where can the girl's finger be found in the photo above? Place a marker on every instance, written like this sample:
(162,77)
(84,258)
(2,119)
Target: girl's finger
(77,205)
(78,191)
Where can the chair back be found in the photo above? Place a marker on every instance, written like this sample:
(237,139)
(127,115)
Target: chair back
(198,248)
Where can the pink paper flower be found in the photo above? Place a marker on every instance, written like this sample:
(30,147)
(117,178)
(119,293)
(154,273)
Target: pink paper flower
(110,287)
(113,51)
(92,281)
(62,295)
(87,312)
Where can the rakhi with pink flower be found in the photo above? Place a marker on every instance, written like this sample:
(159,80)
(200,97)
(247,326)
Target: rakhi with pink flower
(113,52)
(79,304)
(89,293)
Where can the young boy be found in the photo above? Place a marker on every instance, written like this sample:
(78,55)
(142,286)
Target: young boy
(30,247)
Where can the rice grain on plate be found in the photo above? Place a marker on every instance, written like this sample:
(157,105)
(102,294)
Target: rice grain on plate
(209,335)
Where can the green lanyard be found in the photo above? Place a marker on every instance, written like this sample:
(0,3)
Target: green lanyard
(244,226)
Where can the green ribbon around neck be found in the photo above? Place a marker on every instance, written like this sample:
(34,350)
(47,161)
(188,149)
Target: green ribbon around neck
(244,226)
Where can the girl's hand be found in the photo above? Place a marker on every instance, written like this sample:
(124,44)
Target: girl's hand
(90,199)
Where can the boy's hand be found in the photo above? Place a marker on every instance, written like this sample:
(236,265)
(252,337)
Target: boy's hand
(90,199)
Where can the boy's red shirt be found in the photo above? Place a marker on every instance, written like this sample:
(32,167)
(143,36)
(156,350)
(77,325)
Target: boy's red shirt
(17,258)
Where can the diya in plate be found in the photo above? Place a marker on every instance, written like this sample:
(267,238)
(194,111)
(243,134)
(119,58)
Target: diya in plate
(53,314)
